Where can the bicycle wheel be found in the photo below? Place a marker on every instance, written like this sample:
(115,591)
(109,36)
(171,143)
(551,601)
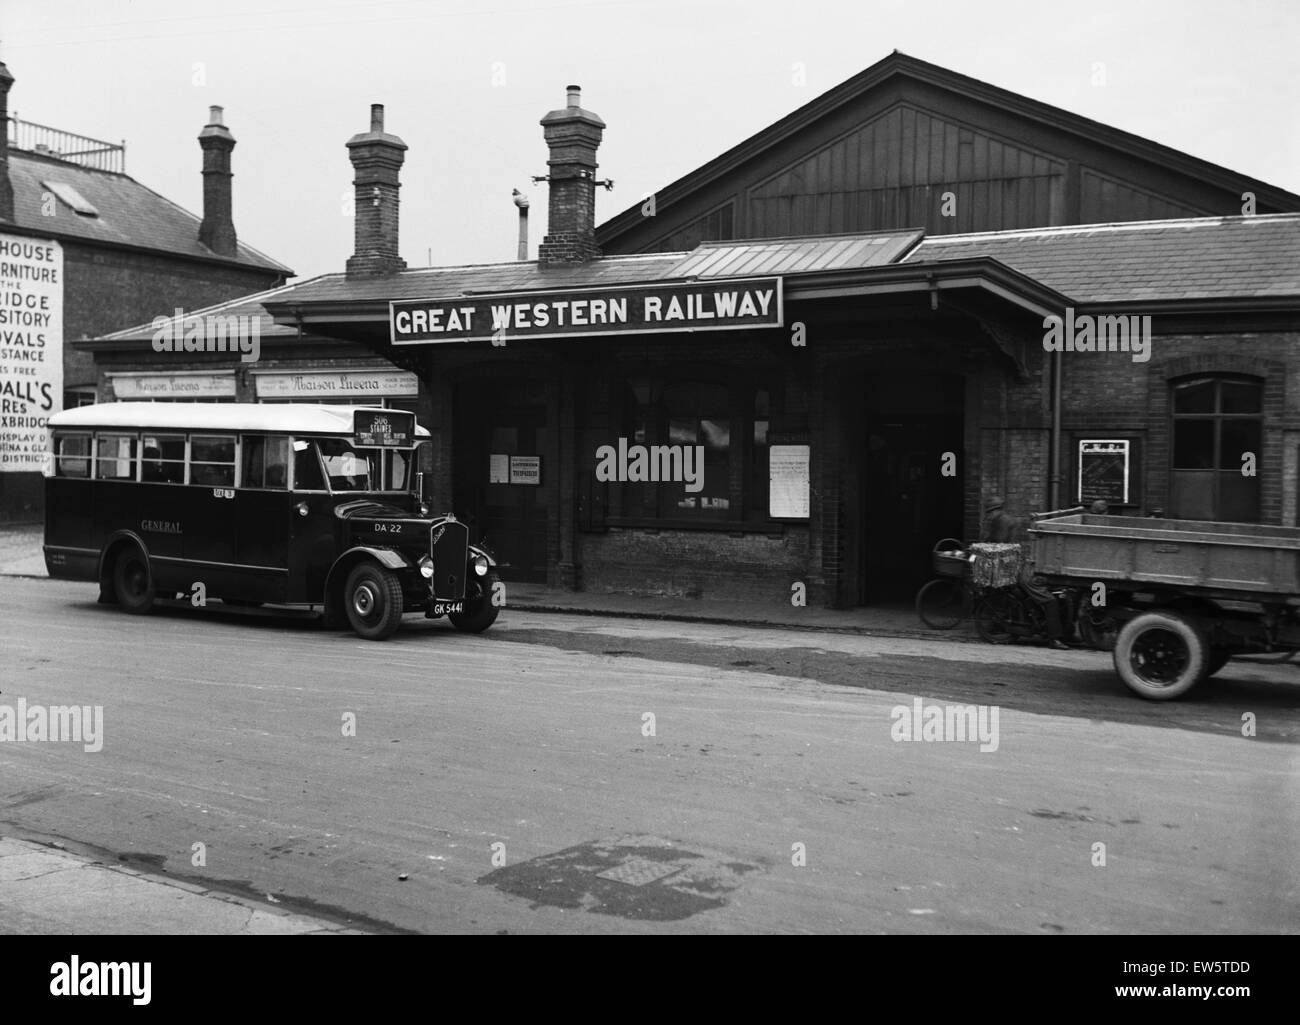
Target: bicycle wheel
(939,603)
(993,614)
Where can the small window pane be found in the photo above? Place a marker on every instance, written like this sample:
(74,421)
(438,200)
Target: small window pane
(115,457)
(1195,397)
(277,463)
(1193,444)
(306,467)
(252,470)
(73,451)
(1237,438)
(212,460)
(1242,397)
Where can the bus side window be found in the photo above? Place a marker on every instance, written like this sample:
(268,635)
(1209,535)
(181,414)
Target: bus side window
(115,457)
(212,460)
(253,461)
(72,455)
(163,459)
(277,463)
(307,474)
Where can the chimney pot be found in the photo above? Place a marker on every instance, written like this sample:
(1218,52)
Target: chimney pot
(575,96)
(214,115)
(376,117)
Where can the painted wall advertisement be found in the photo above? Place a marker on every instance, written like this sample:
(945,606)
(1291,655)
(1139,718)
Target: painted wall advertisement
(31,348)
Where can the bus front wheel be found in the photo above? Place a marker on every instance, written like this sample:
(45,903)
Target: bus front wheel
(132,586)
(372,599)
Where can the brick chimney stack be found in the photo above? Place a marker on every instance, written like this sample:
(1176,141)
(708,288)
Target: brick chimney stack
(217,231)
(376,161)
(573,135)
(6,187)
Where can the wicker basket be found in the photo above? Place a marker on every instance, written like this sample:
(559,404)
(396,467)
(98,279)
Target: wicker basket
(951,564)
(996,564)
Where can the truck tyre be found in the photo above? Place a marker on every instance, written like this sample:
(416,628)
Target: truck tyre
(479,612)
(132,582)
(1161,655)
(372,599)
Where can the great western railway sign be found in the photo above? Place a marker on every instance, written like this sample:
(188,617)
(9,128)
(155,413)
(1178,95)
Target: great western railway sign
(617,310)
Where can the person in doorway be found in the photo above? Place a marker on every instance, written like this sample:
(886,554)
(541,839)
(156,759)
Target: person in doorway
(999,525)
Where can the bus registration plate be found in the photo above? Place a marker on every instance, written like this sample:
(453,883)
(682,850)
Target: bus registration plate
(443,608)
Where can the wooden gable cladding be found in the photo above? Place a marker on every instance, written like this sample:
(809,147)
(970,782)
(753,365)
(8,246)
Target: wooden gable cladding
(879,152)
(894,172)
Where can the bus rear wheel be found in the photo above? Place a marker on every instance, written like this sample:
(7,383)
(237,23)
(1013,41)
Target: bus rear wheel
(132,586)
(372,599)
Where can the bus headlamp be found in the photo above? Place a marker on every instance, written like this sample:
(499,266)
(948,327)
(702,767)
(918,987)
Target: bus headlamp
(480,566)
(426,567)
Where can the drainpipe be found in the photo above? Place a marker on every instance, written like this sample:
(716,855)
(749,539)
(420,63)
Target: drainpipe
(1054,454)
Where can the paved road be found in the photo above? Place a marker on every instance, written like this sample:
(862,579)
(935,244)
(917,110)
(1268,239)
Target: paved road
(227,730)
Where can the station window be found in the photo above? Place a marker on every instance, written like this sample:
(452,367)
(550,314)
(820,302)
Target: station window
(1218,427)
(115,457)
(212,460)
(162,459)
(72,455)
(721,424)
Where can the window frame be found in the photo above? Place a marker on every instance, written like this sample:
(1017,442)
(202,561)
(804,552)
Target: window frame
(1217,417)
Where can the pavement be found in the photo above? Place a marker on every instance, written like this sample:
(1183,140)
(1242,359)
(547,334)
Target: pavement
(48,890)
(20,556)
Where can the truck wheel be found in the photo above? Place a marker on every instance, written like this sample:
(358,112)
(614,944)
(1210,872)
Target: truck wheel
(479,612)
(132,583)
(372,598)
(1161,655)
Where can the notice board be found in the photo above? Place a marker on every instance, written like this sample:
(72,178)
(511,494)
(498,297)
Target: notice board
(1104,471)
(788,478)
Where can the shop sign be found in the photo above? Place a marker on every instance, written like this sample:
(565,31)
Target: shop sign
(323,385)
(173,386)
(723,305)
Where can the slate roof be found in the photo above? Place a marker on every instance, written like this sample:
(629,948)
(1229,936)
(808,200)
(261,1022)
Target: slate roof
(245,306)
(1194,258)
(129,213)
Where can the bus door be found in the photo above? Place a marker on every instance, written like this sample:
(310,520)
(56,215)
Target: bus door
(263,517)
(209,542)
(313,527)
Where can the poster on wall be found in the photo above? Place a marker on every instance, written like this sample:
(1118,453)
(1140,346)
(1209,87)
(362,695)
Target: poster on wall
(1104,471)
(31,348)
(788,482)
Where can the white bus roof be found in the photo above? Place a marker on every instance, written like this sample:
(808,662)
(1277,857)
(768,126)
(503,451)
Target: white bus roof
(216,416)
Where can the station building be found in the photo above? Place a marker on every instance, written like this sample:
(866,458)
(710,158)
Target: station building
(840,340)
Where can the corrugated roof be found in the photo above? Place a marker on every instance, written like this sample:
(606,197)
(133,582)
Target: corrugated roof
(129,213)
(1194,258)
(796,255)
(521,275)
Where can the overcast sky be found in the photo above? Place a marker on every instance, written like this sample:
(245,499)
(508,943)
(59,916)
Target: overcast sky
(677,82)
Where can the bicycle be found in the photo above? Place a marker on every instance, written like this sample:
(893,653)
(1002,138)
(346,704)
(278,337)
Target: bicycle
(950,598)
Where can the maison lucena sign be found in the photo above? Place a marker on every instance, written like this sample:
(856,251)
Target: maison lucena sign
(617,310)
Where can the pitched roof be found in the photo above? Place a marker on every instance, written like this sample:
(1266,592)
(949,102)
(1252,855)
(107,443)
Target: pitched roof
(130,214)
(897,65)
(1194,258)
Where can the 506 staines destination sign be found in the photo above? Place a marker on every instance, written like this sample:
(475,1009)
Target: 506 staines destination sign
(617,310)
